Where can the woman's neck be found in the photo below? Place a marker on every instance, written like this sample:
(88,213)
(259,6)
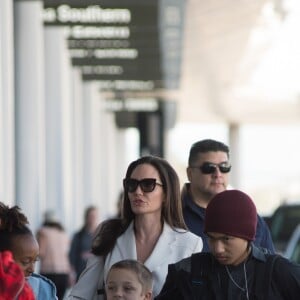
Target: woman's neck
(147,233)
(147,227)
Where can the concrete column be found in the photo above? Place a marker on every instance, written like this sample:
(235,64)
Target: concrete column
(104,152)
(92,145)
(235,155)
(112,151)
(78,203)
(59,122)
(7,157)
(30,108)
(151,134)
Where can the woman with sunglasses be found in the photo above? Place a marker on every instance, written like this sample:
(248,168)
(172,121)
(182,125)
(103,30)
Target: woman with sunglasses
(151,229)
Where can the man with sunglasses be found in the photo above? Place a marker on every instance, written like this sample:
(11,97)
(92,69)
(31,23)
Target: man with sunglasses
(208,174)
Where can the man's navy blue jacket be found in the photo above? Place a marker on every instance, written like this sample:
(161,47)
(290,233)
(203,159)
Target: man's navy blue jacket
(194,220)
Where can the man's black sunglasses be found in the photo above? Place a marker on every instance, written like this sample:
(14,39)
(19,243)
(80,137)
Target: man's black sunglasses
(210,168)
(147,185)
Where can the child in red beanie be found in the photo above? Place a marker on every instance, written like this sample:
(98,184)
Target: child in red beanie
(235,268)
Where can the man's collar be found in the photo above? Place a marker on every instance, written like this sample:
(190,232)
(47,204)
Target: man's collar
(259,252)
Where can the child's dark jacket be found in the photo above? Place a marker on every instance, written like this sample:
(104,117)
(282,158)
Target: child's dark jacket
(202,277)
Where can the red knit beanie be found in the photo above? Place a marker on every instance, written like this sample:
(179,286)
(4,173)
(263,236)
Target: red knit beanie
(231,212)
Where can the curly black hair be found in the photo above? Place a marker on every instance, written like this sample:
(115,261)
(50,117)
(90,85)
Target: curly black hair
(12,223)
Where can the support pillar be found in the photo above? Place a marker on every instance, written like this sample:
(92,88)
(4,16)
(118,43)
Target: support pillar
(30,108)
(7,113)
(235,157)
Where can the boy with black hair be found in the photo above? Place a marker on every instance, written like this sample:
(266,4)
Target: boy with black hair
(235,268)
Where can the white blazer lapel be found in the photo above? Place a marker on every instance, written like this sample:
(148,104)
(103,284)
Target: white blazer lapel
(163,249)
(125,248)
(126,244)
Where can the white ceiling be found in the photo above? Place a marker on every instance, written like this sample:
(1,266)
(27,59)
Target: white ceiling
(241,61)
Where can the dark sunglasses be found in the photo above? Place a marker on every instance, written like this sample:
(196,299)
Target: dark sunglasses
(147,184)
(210,168)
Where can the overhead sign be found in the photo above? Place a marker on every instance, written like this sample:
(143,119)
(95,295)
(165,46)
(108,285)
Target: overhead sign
(128,110)
(132,104)
(131,85)
(121,39)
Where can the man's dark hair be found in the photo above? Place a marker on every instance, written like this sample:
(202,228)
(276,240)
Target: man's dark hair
(204,146)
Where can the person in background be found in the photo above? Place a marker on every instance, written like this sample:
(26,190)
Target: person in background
(12,280)
(16,237)
(151,229)
(235,268)
(208,174)
(54,246)
(81,244)
(129,279)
